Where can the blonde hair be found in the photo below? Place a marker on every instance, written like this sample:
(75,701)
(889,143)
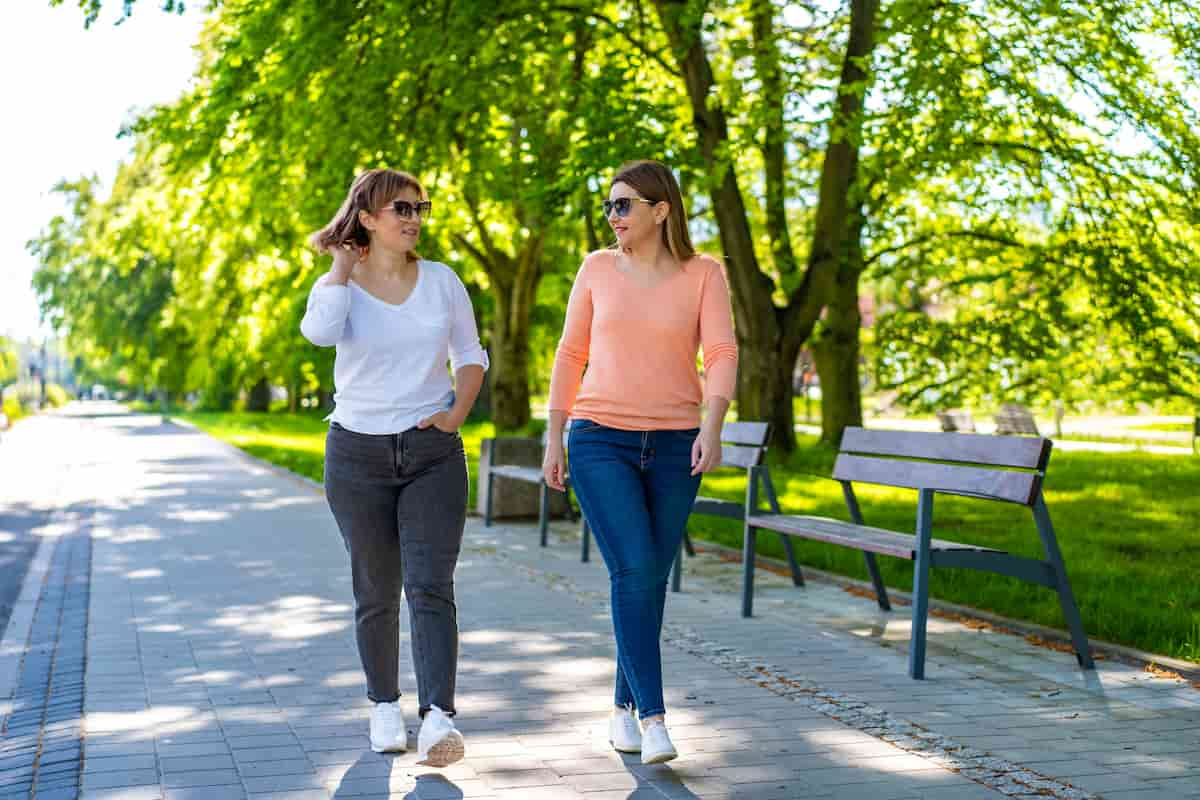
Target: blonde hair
(369,192)
(654,181)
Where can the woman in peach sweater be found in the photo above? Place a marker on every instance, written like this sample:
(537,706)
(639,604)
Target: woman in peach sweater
(637,316)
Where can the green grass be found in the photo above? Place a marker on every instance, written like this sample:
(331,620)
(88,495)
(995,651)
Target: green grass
(1168,427)
(1131,439)
(1126,524)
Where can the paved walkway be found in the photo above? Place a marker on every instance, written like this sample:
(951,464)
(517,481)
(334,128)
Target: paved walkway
(220,663)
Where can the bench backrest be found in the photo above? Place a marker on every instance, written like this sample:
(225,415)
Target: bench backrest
(1014,418)
(979,466)
(743,444)
(956,419)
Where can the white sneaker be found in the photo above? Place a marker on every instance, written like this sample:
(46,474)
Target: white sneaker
(623,732)
(388,734)
(656,744)
(439,744)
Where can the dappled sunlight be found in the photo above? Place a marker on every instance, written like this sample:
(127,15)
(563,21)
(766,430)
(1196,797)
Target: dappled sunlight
(578,668)
(281,502)
(290,618)
(196,515)
(344,679)
(491,636)
(129,534)
(214,677)
(156,721)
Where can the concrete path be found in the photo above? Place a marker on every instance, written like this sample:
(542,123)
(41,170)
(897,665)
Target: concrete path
(220,663)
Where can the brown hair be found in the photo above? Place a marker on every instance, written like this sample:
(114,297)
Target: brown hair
(369,192)
(655,181)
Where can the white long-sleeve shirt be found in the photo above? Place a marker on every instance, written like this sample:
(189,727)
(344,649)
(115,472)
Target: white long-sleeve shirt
(390,369)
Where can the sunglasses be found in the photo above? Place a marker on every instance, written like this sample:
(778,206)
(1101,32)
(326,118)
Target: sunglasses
(405,209)
(623,205)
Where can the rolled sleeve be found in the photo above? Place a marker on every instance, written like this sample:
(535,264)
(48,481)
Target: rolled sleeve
(465,348)
(324,321)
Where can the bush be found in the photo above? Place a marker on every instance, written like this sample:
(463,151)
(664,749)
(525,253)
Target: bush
(56,395)
(12,408)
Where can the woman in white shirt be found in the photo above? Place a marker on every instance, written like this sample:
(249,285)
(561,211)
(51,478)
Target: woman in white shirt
(395,470)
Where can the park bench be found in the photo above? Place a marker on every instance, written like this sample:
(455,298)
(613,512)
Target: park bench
(1016,419)
(743,446)
(970,465)
(956,419)
(533,475)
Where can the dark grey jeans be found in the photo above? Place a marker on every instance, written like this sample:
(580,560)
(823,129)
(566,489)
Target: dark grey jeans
(400,501)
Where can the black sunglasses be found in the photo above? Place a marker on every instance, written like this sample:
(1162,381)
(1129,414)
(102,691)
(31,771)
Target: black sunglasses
(405,209)
(623,205)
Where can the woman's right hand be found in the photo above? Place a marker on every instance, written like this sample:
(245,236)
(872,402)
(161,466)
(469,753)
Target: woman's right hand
(554,466)
(344,259)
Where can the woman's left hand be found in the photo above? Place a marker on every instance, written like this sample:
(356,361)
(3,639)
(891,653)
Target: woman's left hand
(443,420)
(706,451)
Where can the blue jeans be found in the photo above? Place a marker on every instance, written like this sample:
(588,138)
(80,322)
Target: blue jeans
(636,490)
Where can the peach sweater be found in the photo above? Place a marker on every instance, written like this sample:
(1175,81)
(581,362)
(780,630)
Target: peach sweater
(639,346)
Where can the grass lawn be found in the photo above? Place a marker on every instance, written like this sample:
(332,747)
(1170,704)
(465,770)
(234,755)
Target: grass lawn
(1128,525)
(1127,438)
(1169,427)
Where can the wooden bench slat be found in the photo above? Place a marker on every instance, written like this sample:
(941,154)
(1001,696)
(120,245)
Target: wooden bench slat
(748,433)
(1014,418)
(527,474)
(961,447)
(860,537)
(1015,487)
(734,455)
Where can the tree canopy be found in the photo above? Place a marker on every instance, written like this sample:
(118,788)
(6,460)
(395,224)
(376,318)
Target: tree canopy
(1010,186)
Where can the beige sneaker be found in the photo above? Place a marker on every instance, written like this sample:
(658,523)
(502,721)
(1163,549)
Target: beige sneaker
(439,744)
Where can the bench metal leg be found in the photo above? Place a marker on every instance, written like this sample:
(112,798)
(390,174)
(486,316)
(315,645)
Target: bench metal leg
(773,502)
(487,500)
(544,512)
(920,610)
(677,570)
(856,517)
(881,595)
(1066,598)
(797,575)
(585,534)
(749,541)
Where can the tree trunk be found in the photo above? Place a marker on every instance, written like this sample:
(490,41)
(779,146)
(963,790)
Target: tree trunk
(514,290)
(259,397)
(760,394)
(765,331)
(836,348)
(510,372)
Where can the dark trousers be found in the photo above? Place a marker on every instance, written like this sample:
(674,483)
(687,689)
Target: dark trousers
(400,501)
